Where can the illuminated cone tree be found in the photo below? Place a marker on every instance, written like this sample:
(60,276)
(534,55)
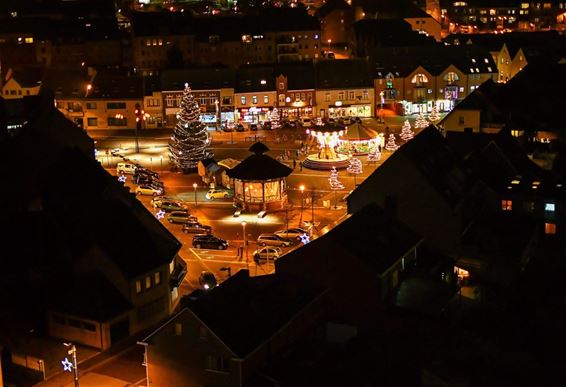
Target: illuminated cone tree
(433,116)
(391,144)
(335,185)
(355,168)
(421,121)
(407,131)
(275,119)
(190,142)
(374,153)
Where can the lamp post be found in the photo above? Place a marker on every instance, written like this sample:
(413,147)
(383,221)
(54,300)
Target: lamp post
(329,41)
(195,185)
(145,363)
(73,352)
(312,207)
(245,243)
(161,158)
(302,188)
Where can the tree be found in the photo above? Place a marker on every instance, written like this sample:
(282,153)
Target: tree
(335,185)
(421,121)
(275,119)
(374,154)
(407,131)
(391,145)
(355,168)
(190,142)
(433,116)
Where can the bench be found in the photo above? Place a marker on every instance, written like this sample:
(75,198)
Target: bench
(261,214)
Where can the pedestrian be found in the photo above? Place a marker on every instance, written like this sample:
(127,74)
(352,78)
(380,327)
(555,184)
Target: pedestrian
(294,164)
(300,166)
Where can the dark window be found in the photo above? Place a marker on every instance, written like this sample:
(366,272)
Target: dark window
(89,327)
(116,105)
(59,319)
(74,323)
(92,121)
(91,105)
(113,121)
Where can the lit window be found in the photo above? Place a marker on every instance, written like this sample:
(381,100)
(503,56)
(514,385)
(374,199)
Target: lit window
(147,282)
(549,207)
(506,205)
(550,228)
(138,286)
(178,329)
(263,81)
(157,278)
(254,99)
(243,100)
(265,99)
(29,40)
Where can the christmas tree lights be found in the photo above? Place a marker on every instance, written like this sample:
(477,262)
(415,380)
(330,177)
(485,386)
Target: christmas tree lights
(190,142)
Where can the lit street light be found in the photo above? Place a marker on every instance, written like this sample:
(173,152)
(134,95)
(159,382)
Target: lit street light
(245,243)
(195,185)
(302,188)
(161,158)
(67,365)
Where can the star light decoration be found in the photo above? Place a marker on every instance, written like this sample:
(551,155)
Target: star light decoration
(67,365)
(122,178)
(160,214)
(304,239)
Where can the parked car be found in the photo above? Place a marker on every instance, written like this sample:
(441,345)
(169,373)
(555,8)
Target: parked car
(209,241)
(266,125)
(196,228)
(272,240)
(149,190)
(253,127)
(227,128)
(217,194)
(169,205)
(181,217)
(145,171)
(240,128)
(267,254)
(306,122)
(289,123)
(292,233)
(207,280)
(147,180)
(126,168)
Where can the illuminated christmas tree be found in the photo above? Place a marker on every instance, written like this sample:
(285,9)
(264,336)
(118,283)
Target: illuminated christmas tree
(335,185)
(391,145)
(433,116)
(407,131)
(275,119)
(421,121)
(355,168)
(374,154)
(190,142)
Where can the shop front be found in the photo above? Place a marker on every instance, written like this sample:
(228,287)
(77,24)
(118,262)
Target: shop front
(253,115)
(339,110)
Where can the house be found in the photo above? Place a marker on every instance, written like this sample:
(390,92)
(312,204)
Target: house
(254,93)
(433,192)
(336,23)
(93,263)
(423,23)
(361,261)
(22,82)
(344,88)
(224,337)
(296,94)
(417,78)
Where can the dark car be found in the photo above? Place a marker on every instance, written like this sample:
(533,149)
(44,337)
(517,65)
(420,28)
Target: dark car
(196,228)
(168,205)
(253,127)
(144,171)
(209,241)
(182,216)
(240,128)
(266,125)
(207,280)
(147,180)
(227,128)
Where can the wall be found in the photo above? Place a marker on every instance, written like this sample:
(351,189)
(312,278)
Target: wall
(102,113)
(459,119)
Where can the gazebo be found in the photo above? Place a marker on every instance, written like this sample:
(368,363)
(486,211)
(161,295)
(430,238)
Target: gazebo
(359,140)
(260,181)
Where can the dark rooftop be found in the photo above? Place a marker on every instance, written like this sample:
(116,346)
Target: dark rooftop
(259,166)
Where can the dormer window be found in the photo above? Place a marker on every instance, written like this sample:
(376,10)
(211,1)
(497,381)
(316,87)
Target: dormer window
(419,79)
(507,205)
(549,207)
(451,77)
(246,38)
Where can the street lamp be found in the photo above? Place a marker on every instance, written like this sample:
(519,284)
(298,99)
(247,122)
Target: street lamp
(329,41)
(312,207)
(245,243)
(195,185)
(302,188)
(161,158)
(67,364)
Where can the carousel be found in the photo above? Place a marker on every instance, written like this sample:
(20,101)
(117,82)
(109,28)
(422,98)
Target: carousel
(326,137)
(260,181)
(359,140)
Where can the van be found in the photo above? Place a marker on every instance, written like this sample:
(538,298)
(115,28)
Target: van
(126,168)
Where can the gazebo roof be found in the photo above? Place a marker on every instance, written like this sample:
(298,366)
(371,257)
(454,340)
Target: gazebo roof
(357,132)
(259,166)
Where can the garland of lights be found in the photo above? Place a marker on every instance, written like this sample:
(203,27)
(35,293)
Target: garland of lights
(190,142)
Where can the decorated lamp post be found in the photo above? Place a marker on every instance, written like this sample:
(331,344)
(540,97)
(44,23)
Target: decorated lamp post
(69,366)
(355,168)
(245,243)
(302,189)
(335,185)
(195,185)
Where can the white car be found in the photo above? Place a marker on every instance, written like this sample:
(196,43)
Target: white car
(306,122)
(217,194)
(292,233)
(126,168)
(267,254)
